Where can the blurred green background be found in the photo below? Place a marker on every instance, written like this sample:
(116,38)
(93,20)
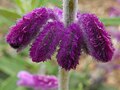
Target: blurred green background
(81,79)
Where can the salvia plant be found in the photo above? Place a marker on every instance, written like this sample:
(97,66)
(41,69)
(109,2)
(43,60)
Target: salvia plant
(68,32)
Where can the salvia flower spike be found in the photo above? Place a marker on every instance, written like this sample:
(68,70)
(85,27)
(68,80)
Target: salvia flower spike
(44,28)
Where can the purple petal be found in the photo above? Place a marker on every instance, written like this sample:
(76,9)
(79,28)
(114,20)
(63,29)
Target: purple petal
(37,81)
(70,48)
(47,41)
(97,40)
(114,12)
(58,12)
(25,79)
(45,81)
(27,28)
(53,14)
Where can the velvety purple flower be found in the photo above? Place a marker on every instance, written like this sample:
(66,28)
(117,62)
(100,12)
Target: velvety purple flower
(47,41)
(114,12)
(70,47)
(27,28)
(97,40)
(37,81)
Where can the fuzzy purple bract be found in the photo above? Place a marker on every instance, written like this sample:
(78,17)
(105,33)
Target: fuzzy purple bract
(47,41)
(27,28)
(70,47)
(96,38)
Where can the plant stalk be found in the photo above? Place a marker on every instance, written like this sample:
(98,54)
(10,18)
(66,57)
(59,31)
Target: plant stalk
(69,16)
(63,79)
(69,11)
(42,70)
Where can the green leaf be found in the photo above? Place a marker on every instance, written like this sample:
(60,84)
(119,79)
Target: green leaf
(38,3)
(24,6)
(21,88)
(20,5)
(9,84)
(111,21)
(9,67)
(12,66)
(107,87)
(10,15)
(80,86)
(56,2)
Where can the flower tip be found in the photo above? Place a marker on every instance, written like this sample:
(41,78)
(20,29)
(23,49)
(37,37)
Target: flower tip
(22,74)
(15,46)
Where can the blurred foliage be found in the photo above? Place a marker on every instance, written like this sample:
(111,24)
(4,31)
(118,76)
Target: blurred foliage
(111,21)
(11,63)
(8,14)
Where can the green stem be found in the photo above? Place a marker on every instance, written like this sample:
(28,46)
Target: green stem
(42,70)
(69,15)
(63,79)
(69,11)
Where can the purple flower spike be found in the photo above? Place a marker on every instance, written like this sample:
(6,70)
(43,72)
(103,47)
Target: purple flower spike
(27,28)
(38,82)
(70,48)
(25,79)
(47,41)
(97,40)
(45,82)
